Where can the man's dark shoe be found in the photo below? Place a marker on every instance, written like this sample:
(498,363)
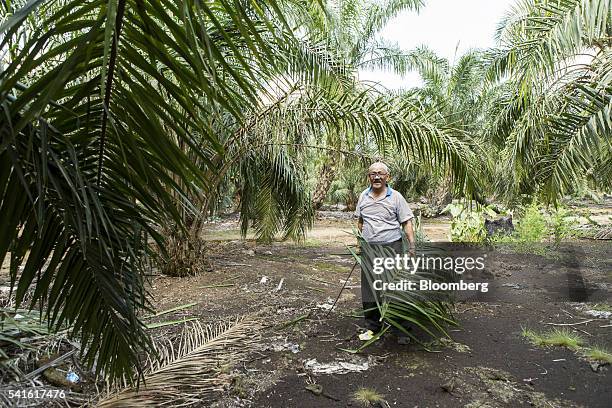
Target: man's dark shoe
(374,326)
(403,338)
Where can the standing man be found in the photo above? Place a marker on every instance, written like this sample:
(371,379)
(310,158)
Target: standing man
(383,214)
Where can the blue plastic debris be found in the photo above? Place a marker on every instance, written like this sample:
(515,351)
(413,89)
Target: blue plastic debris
(72,377)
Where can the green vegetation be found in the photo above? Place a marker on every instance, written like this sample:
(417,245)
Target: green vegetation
(367,397)
(561,226)
(468,224)
(532,226)
(603,307)
(598,354)
(555,337)
(419,233)
(565,338)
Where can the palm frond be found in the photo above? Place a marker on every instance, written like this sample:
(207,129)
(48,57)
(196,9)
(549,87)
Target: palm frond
(377,15)
(538,35)
(579,137)
(388,56)
(427,311)
(432,69)
(273,196)
(110,110)
(190,372)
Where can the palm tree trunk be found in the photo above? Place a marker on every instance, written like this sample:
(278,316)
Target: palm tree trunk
(441,195)
(327,174)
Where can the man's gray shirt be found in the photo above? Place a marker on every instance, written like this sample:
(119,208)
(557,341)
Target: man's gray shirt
(382,218)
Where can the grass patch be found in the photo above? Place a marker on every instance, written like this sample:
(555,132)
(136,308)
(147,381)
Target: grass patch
(367,397)
(312,243)
(598,354)
(555,337)
(602,307)
(331,267)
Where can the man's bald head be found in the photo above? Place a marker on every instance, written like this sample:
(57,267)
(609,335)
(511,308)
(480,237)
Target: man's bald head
(378,167)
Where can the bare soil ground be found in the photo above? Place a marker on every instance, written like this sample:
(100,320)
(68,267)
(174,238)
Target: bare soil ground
(488,363)
(330,228)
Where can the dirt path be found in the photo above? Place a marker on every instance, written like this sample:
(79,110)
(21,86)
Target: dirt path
(487,364)
(326,231)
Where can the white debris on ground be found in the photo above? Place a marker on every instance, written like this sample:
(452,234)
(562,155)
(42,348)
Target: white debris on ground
(281,343)
(600,314)
(594,310)
(366,336)
(292,347)
(336,367)
(280,284)
(328,305)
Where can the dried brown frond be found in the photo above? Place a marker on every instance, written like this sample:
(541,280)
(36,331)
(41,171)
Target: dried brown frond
(192,371)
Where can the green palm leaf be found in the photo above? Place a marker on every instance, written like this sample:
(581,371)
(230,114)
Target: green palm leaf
(100,102)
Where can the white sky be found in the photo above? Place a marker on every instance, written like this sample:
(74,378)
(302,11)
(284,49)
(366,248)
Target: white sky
(445,26)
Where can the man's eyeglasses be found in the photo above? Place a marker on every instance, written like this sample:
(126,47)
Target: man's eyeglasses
(379,174)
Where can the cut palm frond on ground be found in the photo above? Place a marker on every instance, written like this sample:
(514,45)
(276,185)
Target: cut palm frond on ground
(428,311)
(191,372)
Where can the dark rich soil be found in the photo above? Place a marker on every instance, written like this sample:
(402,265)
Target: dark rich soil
(488,363)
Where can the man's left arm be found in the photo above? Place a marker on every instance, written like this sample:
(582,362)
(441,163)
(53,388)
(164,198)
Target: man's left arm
(409,231)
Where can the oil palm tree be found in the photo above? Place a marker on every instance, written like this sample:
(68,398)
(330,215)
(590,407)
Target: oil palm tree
(453,91)
(553,110)
(333,115)
(351,29)
(269,158)
(454,96)
(99,100)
